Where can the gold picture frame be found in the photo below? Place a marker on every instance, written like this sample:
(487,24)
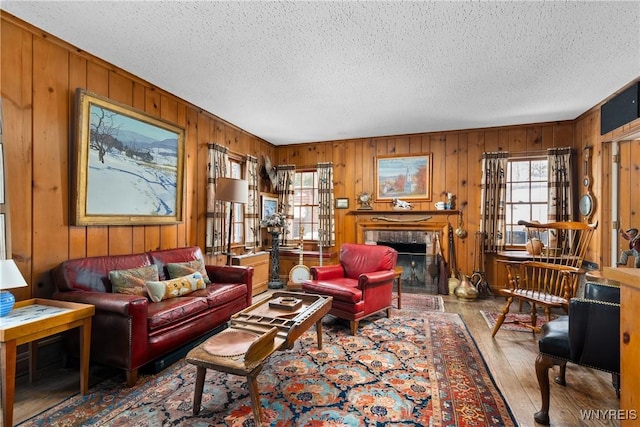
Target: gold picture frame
(404,176)
(129,166)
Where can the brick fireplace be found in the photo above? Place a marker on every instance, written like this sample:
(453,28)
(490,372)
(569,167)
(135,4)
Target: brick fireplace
(414,235)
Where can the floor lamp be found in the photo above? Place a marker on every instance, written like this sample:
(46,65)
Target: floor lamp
(233,191)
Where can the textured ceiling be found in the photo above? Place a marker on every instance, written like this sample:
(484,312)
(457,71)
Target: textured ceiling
(293,72)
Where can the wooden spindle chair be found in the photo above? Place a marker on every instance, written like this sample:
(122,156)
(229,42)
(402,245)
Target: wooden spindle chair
(550,278)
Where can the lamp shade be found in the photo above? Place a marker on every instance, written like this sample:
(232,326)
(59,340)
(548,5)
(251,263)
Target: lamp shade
(10,276)
(232,190)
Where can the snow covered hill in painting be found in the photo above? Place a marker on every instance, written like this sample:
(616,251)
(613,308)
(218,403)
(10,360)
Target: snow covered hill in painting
(126,186)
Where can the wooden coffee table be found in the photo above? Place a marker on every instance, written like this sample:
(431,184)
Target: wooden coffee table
(31,320)
(253,335)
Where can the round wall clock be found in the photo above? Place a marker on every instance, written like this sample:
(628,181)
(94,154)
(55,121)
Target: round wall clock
(586,205)
(364,199)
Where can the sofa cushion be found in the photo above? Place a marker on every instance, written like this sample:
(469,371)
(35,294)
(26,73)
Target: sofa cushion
(179,269)
(174,310)
(131,281)
(218,294)
(166,256)
(172,288)
(92,273)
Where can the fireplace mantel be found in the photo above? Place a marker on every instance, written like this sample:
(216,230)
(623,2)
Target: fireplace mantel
(404,220)
(408,213)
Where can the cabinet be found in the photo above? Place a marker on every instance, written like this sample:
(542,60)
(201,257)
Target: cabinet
(629,279)
(260,263)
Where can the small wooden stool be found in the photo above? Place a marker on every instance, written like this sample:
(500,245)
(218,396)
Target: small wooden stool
(236,352)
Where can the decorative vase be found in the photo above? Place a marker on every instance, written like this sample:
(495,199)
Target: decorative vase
(274,280)
(534,246)
(465,290)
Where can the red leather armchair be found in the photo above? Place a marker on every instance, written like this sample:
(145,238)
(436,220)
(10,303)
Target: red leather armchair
(361,285)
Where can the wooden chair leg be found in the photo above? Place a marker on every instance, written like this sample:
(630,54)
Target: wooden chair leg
(562,373)
(254,394)
(199,386)
(543,364)
(534,316)
(501,317)
(354,326)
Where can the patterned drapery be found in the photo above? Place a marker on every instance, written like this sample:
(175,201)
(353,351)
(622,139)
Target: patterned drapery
(284,176)
(560,197)
(251,216)
(494,186)
(215,230)
(325,204)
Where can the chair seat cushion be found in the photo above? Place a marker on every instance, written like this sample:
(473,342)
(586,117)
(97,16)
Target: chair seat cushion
(555,338)
(341,289)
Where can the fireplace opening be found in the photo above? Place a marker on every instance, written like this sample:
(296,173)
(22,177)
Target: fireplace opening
(415,258)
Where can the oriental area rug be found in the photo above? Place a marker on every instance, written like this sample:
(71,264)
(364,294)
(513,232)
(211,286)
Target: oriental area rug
(421,301)
(512,320)
(417,368)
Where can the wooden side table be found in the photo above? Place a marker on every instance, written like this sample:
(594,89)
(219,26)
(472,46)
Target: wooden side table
(398,278)
(34,319)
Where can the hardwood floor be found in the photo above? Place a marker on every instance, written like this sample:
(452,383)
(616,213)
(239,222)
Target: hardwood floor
(510,357)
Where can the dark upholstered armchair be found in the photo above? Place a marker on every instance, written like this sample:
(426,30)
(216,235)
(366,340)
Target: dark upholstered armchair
(588,336)
(361,285)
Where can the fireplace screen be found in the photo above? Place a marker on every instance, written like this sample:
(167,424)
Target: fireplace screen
(416,251)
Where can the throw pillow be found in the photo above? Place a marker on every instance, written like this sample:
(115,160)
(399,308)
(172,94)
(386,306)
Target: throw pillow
(132,281)
(165,289)
(180,269)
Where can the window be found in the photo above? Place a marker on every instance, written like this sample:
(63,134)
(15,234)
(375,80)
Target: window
(305,205)
(237,226)
(526,197)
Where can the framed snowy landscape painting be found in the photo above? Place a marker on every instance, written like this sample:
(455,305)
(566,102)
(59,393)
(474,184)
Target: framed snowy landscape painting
(129,166)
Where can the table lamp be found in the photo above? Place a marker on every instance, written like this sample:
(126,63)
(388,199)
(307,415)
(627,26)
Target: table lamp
(10,277)
(234,191)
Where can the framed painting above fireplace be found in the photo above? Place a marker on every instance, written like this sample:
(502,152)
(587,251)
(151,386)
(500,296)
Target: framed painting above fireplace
(406,177)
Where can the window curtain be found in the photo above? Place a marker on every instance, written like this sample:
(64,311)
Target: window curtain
(494,187)
(325,205)
(251,217)
(560,197)
(284,176)
(215,230)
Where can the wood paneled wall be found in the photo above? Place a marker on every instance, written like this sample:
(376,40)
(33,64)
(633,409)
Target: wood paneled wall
(628,168)
(456,168)
(39,77)
(38,80)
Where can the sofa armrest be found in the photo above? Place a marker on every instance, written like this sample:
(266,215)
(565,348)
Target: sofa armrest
(232,274)
(126,305)
(327,272)
(594,334)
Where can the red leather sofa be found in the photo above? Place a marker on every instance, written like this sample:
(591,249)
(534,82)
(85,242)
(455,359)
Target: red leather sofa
(129,331)
(361,285)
